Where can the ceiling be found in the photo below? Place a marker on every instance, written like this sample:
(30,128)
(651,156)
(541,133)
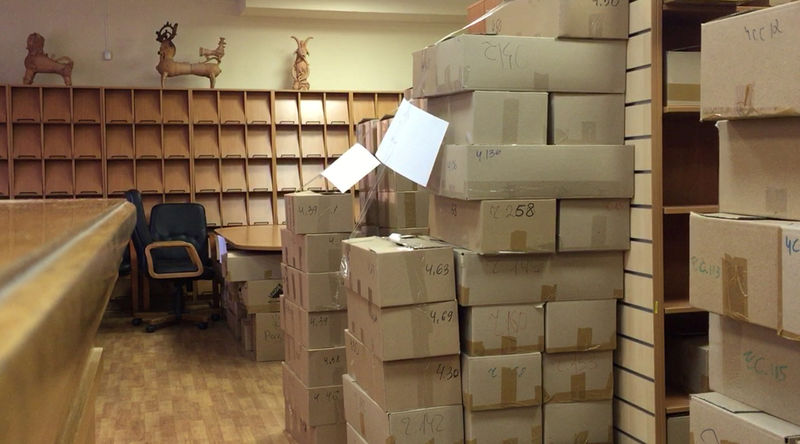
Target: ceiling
(430,11)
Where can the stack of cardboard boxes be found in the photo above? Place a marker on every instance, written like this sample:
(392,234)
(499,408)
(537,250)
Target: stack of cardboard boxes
(744,261)
(314,316)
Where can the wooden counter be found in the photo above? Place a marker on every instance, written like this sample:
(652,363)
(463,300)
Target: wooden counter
(59,260)
(253,237)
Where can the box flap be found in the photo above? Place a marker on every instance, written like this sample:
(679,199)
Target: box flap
(726,403)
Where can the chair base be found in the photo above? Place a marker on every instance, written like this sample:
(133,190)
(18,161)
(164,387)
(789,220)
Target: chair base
(154,321)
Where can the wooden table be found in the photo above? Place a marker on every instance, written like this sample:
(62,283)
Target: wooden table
(253,237)
(59,260)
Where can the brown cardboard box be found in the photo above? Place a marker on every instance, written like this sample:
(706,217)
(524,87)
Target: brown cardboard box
(683,78)
(582,19)
(587,119)
(687,363)
(789,305)
(393,181)
(299,429)
(364,196)
(313,291)
(313,253)
(717,418)
(502,329)
(678,429)
(747,65)
(234,324)
(589,422)
(537,278)
(578,376)
(255,295)
(353,437)
(495,226)
(408,332)
(594,224)
(523,425)
(416,270)
(316,406)
(314,329)
(578,326)
(500,382)
(315,367)
(432,425)
(310,212)
(241,266)
(267,336)
(405,209)
(754,365)
(475,172)
(753,177)
(247,333)
(493,117)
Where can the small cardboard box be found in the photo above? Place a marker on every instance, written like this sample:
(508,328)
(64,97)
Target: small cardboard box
(678,430)
(314,329)
(313,253)
(315,367)
(594,225)
(442,424)
(255,295)
(687,363)
(578,377)
(299,429)
(404,209)
(505,426)
(267,336)
(581,19)
(493,117)
(683,78)
(477,172)
(578,326)
(587,119)
(310,212)
(244,266)
(316,406)
(718,418)
(537,278)
(407,384)
(502,63)
(590,421)
(495,226)
(747,65)
(407,332)
(502,329)
(314,291)
(414,270)
(500,382)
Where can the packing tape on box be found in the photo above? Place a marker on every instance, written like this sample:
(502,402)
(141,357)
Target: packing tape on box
(463,295)
(511,122)
(599,231)
(776,200)
(579,393)
(508,386)
(425,392)
(584,339)
(536,434)
(581,437)
(618,293)
(410,210)
(596,24)
(734,287)
(518,240)
(541,81)
(683,92)
(588,132)
(530,187)
(477,348)
(508,345)
(549,293)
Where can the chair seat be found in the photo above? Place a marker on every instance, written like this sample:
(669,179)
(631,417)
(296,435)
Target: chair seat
(169,265)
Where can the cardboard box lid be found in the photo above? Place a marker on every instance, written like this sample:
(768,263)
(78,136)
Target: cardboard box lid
(502,381)
(756,425)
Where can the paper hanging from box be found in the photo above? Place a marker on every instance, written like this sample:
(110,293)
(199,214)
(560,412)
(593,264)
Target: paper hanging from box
(351,167)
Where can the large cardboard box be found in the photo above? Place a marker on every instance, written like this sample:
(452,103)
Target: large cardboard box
(522,425)
(578,376)
(516,279)
(313,329)
(413,270)
(256,296)
(589,422)
(393,181)
(718,418)
(678,430)
(241,266)
(594,225)
(754,365)
(404,209)
(683,78)
(502,329)
(476,172)
(493,117)
(747,65)
(353,437)
(433,425)
(789,304)
(312,253)
(407,384)
(407,332)
(581,19)
(495,226)
(303,433)
(315,367)
(314,291)
(317,405)
(503,381)
(587,119)
(267,336)
(578,326)
(687,363)
(502,63)
(311,212)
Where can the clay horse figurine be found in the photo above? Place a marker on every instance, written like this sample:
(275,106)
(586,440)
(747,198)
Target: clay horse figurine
(38,61)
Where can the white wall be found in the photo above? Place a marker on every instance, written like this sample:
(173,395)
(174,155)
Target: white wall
(345,55)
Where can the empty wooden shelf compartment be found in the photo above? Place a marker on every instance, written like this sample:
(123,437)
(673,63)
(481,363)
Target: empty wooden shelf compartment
(57,141)
(119,142)
(88,141)
(120,176)
(175,106)
(233,176)
(259,209)
(259,142)
(28,178)
(86,105)
(231,107)
(56,105)
(149,179)
(27,141)
(257,108)
(259,175)
(234,209)
(176,142)
(177,176)
(148,141)
(25,104)
(206,176)
(232,141)
(204,107)
(58,178)
(119,106)
(147,106)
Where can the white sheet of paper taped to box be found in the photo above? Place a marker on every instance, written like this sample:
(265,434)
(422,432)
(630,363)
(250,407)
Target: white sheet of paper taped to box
(412,142)
(351,167)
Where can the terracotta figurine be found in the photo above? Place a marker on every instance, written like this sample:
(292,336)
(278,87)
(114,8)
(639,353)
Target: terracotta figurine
(300,69)
(168,67)
(38,61)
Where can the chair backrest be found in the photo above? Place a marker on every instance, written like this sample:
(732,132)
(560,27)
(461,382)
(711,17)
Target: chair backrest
(141,232)
(180,221)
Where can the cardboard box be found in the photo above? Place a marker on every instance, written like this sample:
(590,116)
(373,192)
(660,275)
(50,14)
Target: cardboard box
(678,430)
(500,382)
(407,332)
(370,217)
(683,78)
(753,177)
(594,225)
(687,363)
(315,367)
(353,437)
(299,429)
(392,181)
(313,329)
(578,376)
(493,117)
(476,172)
(234,324)
(501,63)
(589,422)
(316,406)
(506,426)
(754,365)
(587,119)
(437,380)
(311,212)
(502,329)
(247,333)
(789,304)
(747,65)
(578,326)
(717,418)
(495,226)
(312,253)
(241,266)
(267,336)
(537,278)
(421,231)
(433,424)
(314,291)
(255,295)
(405,209)
(414,270)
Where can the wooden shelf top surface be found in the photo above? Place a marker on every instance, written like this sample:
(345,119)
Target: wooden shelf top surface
(253,237)
(679,306)
(676,401)
(686,209)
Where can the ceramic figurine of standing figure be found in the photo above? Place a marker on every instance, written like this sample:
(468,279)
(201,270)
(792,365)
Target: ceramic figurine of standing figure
(168,67)
(300,69)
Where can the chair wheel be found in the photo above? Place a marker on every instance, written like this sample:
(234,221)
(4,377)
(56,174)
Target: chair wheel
(136,322)
(150,328)
(202,325)
(216,317)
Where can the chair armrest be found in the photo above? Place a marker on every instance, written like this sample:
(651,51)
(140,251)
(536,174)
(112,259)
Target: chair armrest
(195,258)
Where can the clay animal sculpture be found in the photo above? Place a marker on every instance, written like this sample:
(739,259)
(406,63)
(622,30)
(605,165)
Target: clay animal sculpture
(37,61)
(214,54)
(168,67)
(300,69)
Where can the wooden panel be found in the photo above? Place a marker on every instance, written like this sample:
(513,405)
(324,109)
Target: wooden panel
(336,109)
(634,422)
(119,142)
(387,104)
(119,106)
(638,85)
(641,223)
(287,142)
(259,209)
(643,153)
(176,142)
(363,107)
(206,142)
(310,170)
(257,108)
(177,177)
(640,16)
(639,258)
(149,179)
(232,141)
(635,389)
(635,356)
(56,105)
(148,141)
(88,141)
(639,51)
(234,209)
(259,175)
(4,183)
(25,104)
(3,139)
(338,141)
(311,108)
(635,323)
(28,179)
(204,107)
(313,143)
(58,178)
(3,116)
(638,290)
(206,176)
(281,208)
(233,176)
(57,141)
(231,107)
(621,438)
(286,108)
(147,106)
(259,142)
(88,178)
(27,141)
(175,106)
(288,176)
(120,176)
(690,161)
(211,204)
(638,120)
(642,192)
(86,105)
